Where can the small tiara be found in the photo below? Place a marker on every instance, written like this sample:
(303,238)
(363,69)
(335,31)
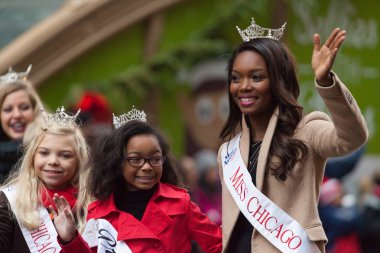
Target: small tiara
(255,31)
(133,114)
(12,76)
(60,117)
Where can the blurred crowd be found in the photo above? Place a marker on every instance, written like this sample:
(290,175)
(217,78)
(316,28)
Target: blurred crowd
(351,222)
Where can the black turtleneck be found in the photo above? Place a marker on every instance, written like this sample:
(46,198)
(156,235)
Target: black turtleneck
(133,202)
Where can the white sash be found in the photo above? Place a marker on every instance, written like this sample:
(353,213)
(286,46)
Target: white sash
(102,234)
(285,233)
(42,239)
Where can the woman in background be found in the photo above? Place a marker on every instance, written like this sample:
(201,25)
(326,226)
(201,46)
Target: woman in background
(19,106)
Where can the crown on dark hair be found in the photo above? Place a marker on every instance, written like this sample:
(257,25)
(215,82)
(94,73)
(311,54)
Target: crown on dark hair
(255,31)
(133,114)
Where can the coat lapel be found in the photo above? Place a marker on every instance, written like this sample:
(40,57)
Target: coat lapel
(154,221)
(131,228)
(152,224)
(155,218)
(263,155)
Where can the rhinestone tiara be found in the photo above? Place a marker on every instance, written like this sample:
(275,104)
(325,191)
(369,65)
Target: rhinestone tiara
(133,114)
(12,75)
(255,31)
(60,117)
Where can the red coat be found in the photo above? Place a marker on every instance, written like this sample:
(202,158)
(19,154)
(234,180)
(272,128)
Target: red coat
(169,224)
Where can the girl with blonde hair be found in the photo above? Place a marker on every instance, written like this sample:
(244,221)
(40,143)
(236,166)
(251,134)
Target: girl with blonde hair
(54,163)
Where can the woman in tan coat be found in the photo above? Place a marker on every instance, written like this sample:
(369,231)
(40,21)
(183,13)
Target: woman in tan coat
(273,160)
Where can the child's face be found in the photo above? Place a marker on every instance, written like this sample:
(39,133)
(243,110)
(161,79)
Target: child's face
(146,176)
(55,161)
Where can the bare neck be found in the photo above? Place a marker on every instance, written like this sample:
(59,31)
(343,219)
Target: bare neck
(258,126)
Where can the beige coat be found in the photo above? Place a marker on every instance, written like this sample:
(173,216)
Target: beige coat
(299,194)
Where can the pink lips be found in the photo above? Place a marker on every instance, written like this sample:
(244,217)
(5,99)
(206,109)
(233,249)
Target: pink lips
(146,179)
(52,172)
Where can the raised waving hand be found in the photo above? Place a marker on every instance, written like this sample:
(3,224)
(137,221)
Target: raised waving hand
(324,56)
(64,221)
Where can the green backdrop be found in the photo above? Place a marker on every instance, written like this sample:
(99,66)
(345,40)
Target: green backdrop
(196,30)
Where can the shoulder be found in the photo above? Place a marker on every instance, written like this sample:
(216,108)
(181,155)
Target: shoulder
(222,147)
(167,189)
(172,199)
(99,208)
(93,205)
(171,194)
(240,135)
(3,200)
(6,213)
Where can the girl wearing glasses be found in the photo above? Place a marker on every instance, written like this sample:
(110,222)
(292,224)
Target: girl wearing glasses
(139,207)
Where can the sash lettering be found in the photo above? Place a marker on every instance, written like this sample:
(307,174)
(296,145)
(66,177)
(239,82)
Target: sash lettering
(285,233)
(100,233)
(42,239)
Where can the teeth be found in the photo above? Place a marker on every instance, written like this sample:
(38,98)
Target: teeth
(247,99)
(18,126)
(52,171)
(146,178)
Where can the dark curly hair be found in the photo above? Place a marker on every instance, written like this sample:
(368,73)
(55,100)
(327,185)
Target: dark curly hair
(285,89)
(107,159)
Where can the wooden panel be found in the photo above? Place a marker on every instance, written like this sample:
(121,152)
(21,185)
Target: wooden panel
(71,31)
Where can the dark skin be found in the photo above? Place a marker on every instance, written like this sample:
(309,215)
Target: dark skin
(323,58)
(250,85)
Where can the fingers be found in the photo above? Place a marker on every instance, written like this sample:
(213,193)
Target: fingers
(336,39)
(60,203)
(341,36)
(317,42)
(331,38)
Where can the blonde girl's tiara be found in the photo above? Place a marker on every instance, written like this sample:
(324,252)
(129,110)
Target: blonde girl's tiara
(60,117)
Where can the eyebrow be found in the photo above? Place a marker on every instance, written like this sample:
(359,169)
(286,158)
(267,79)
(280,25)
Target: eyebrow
(139,152)
(251,70)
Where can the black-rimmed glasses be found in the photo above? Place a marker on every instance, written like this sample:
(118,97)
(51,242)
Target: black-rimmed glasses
(154,161)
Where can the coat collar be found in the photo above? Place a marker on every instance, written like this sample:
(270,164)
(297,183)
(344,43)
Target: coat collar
(233,209)
(263,155)
(154,221)
(101,208)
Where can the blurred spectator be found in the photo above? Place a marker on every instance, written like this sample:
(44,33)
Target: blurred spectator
(208,193)
(187,167)
(96,115)
(370,226)
(19,110)
(338,167)
(339,221)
